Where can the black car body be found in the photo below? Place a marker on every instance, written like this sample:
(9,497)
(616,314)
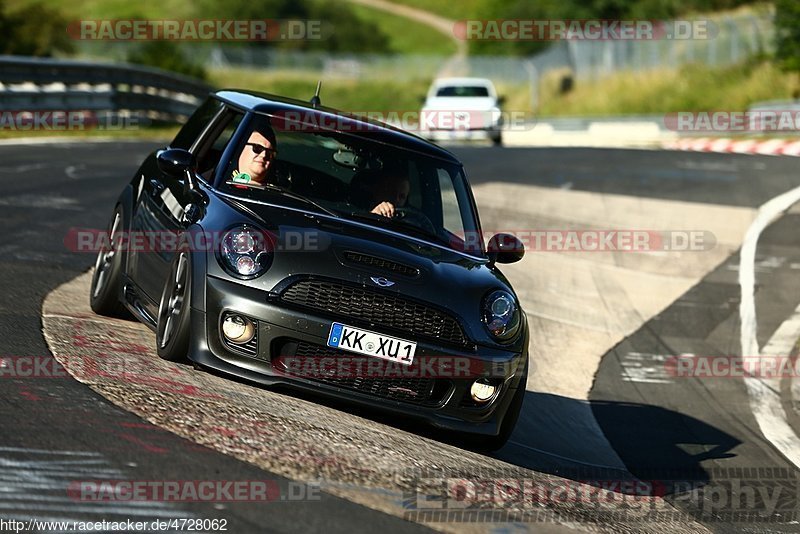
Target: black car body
(313,260)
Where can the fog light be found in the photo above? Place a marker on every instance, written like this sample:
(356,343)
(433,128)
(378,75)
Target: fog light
(482,390)
(238,329)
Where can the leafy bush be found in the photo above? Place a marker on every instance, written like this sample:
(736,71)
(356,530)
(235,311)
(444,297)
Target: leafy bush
(787,29)
(34,30)
(166,55)
(592,9)
(343,30)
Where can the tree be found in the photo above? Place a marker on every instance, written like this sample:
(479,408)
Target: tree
(166,55)
(787,34)
(343,30)
(34,30)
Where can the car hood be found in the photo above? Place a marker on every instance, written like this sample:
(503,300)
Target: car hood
(484,103)
(310,245)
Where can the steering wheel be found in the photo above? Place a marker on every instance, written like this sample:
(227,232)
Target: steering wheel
(416,218)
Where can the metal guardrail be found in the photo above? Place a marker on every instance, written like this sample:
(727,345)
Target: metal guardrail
(776,105)
(568,124)
(36,84)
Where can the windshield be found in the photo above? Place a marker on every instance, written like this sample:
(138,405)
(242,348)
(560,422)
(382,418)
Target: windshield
(354,178)
(461,90)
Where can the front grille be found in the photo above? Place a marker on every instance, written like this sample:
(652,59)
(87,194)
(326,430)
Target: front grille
(381,263)
(382,309)
(307,363)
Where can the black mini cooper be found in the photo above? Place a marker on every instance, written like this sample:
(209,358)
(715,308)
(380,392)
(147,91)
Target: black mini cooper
(291,244)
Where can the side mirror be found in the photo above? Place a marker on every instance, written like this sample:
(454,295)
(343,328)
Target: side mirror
(505,248)
(501,100)
(176,162)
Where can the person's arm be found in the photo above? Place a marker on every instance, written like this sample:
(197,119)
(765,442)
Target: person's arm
(384,208)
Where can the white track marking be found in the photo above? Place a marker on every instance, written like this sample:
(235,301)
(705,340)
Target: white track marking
(764,394)
(645,368)
(37,488)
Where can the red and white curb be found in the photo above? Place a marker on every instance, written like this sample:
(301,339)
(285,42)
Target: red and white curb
(771,147)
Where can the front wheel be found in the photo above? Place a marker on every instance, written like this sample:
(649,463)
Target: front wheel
(107,277)
(172,334)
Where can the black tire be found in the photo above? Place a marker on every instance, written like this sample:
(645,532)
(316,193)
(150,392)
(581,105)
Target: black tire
(498,140)
(172,333)
(493,443)
(106,287)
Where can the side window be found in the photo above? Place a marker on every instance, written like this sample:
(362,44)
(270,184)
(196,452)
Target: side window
(210,150)
(196,124)
(414,177)
(450,210)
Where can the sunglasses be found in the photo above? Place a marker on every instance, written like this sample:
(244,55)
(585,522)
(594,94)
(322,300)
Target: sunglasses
(258,149)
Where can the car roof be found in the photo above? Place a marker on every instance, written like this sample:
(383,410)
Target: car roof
(441,82)
(357,126)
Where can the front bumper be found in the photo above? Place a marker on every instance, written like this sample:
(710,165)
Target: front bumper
(462,135)
(281,329)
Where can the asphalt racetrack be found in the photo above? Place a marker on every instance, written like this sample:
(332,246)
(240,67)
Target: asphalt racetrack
(617,397)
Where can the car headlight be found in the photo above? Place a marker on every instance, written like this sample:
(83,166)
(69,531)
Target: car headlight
(245,252)
(501,315)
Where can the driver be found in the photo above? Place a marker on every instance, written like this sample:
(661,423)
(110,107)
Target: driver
(257,157)
(390,193)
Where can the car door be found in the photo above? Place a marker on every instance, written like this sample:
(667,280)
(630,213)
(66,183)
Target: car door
(159,217)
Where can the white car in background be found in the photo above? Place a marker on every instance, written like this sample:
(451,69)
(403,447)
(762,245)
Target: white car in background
(462,109)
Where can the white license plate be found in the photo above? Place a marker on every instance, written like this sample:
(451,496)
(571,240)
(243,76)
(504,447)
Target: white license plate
(371,343)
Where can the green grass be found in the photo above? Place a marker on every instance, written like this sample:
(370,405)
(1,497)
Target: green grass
(690,88)
(344,94)
(407,36)
(114,9)
(456,10)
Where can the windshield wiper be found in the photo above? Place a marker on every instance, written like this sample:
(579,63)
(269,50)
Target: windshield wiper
(288,193)
(398,225)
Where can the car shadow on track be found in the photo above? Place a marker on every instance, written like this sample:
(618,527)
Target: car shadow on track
(596,441)
(605,444)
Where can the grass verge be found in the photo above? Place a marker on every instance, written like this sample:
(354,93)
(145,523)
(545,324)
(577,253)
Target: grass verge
(461,10)
(344,94)
(689,88)
(407,36)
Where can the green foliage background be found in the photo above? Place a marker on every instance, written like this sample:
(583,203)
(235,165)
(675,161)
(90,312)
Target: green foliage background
(787,22)
(33,30)
(586,9)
